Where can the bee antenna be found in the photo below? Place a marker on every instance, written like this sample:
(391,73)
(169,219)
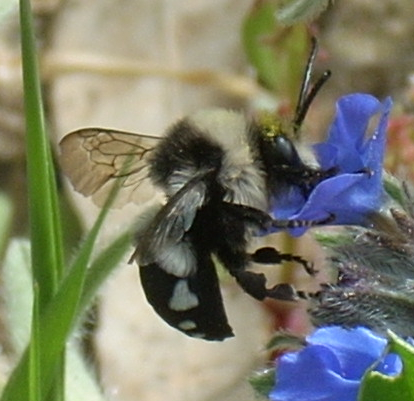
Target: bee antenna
(307,95)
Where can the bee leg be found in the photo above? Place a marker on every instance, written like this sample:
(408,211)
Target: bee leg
(231,251)
(248,214)
(264,221)
(268,255)
(285,224)
(254,284)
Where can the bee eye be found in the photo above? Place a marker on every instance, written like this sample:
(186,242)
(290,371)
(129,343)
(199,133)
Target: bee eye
(284,149)
(279,150)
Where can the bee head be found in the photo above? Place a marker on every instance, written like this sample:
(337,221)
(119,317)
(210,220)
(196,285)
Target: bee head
(276,148)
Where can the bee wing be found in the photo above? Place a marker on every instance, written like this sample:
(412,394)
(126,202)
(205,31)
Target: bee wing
(169,226)
(93,158)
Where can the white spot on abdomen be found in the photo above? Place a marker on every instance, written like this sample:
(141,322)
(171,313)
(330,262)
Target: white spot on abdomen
(187,325)
(182,298)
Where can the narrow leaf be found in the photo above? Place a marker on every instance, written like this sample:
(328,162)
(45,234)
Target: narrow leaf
(34,367)
(43,209)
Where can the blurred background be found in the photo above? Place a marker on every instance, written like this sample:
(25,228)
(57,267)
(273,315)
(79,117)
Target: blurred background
(138,65)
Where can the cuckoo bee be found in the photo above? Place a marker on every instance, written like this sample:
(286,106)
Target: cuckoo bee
(219,171)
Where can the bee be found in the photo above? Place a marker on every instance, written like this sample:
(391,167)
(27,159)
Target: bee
(218,171)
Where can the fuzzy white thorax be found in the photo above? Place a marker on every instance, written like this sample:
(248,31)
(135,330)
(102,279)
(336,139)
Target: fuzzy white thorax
(240,174)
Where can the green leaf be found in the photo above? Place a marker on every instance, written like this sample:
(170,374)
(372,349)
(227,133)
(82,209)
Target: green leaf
(379,387)
(103,266)
(45,233)
(277,54)
(34,358)
(263,381)
(394,188)
(45,230)
(285,341)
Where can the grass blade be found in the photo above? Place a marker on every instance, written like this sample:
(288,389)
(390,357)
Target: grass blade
(43,208)
(60,299)
(103,266)
(45,230)
(34,367)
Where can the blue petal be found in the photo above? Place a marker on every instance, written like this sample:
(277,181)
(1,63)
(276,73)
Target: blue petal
(344,147)
(312,374)
(356,191)
(349,197)
(391,365)
(356,349)
(331,366)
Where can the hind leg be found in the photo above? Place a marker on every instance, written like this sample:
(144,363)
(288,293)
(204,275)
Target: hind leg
(255,285)
(271,256)
(231,250)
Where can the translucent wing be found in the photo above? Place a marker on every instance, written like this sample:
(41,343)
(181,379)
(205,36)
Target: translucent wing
(163,237)
(93,158)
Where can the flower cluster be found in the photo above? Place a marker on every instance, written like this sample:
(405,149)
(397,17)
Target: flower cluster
(356,190)
(332,365)
(374,262)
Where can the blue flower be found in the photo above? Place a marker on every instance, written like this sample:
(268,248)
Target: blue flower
(356,190)
(331,366)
